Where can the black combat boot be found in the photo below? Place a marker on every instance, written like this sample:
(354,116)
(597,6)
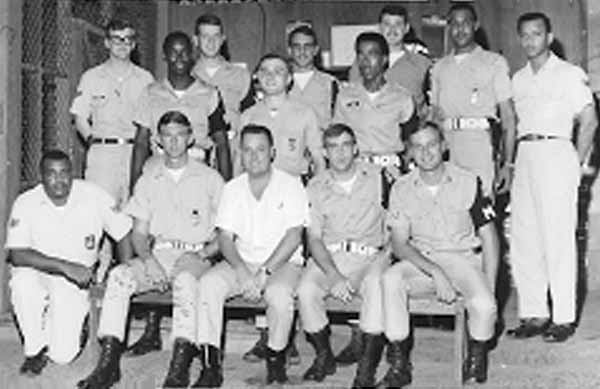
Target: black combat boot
(324,363)
(476,365)
(369,360)
(258,352)
(211,375)
(150,339)
(33,366)
(108,369)
(276,366)
(351,353)
(399,374)
(178,376)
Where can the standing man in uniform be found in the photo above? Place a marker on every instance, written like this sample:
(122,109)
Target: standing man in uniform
(311,86)
(468,87)
(443,234)
(406,68)
(551,97)
(260,219)
(346,236)
(174,204)
(53,235)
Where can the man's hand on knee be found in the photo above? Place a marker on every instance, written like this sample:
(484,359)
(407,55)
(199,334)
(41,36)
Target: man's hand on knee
(443,287)
(342,289)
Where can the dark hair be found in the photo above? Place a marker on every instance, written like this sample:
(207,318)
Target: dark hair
(392,9)
(173,117)
(463,7)
(209,19)
(54,155)
(175,36)
(529,16)
(374,37)
(304,30)
(336,129)
(117,25)
(275,56)
(423,125)
(256,129)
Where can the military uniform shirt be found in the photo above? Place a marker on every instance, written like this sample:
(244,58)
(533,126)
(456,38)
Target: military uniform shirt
(336,215)
(546,102)
(110,103)
(317,94)
(376,123)
(71,232)
(472,87)
(184,210)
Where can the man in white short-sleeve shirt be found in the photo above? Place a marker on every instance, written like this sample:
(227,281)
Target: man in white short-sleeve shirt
(53,236)
(260,219)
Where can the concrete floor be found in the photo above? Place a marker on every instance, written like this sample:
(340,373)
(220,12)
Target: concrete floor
(513,364)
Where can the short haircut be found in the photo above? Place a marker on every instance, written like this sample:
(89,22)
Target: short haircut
(393,9)
(530,16)
(424,125)
(280,57)
(304,30)
(463,7)
(374,37)
(54,155)
(176,117)
(118,25)
(175,36)
(208,19)
(336,129)
(256,129)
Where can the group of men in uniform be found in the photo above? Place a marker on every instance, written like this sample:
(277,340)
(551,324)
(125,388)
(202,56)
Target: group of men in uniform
(345,169)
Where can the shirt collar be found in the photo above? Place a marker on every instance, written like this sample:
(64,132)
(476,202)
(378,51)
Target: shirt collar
(418,182)
(548,65)
(196,85)
(132,73)
(200,67)
(329,180)
(193,168)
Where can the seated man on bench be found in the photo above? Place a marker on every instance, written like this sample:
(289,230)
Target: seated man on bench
(443,232)
(346,236)
(260,219)
(175,202)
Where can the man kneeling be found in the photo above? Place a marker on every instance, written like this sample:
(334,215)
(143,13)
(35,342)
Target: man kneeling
(441,225)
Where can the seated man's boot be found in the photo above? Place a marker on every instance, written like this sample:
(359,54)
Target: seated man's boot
(108,369)
(324,363)
(258,352)
(276,366)
(150,339)
(369,360)
(476,365)
(33,366)
(351,353)
(178,375)
(399,373)
(211,375)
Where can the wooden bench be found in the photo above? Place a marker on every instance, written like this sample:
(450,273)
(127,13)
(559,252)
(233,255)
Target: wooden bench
(418,305)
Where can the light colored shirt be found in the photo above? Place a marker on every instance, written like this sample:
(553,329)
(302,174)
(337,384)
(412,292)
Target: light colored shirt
(108,102)
(547,102)
(318,94)
(71,232)
(259,225)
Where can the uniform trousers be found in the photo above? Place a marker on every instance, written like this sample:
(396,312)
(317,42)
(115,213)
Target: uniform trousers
(50,311)
(464,272)
(127,279)
(364,274)
(472,150)
(108,166)
(543,222)
(220,283)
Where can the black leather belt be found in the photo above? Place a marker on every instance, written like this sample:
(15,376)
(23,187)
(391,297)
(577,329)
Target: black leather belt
(536,137)
(112,141)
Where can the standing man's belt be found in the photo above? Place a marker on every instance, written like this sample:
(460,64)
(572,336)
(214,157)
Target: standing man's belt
(112,141)
(178,245)
(353,247)
(537,137)
(383,160)
(467,123)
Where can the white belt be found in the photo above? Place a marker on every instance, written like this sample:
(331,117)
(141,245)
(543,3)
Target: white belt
(466,124)
(178,245)
(352,247)
(383,160)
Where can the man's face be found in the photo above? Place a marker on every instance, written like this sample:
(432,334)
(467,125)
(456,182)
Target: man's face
(175,139)
(57,179)
(273,76)
(534,38)
(340,152)
(371,61)
(427,149)
(120,43)
(462,28)
(303,50)
(210,39)
(256,154)
(178,55)
(393,28)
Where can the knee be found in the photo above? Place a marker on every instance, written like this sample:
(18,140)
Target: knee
(210,285)
(306,292)
(279,295)
(483,306)
(391,280)
(371,283)
(184,280)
